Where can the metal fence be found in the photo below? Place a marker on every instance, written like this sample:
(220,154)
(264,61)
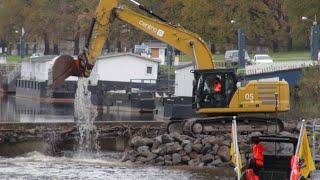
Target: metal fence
(314,130)
(278,66)
(10,72)
(272,67)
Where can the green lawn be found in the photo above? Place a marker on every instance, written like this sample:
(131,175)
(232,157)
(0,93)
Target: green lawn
(281,56)
(13,59)
(290,56)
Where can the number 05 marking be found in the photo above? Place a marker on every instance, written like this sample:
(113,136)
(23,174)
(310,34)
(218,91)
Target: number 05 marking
(249,97)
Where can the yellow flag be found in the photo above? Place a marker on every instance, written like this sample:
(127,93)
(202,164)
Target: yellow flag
(233,159)
(305,155)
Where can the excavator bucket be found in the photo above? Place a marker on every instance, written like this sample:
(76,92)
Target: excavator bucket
(63,67)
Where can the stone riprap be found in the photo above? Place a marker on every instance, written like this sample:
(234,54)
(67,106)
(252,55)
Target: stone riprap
(178,149)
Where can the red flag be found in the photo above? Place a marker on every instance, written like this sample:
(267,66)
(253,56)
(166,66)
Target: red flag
(295,169)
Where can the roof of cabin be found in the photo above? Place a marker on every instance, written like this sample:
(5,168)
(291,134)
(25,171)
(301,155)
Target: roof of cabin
(127,54)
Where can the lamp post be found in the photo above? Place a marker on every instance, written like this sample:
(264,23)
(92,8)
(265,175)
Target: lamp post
(22,43)
(314,37)
(241,45)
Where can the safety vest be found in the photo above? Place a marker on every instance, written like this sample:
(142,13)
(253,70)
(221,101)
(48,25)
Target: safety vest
(250,175)
(217,87)
(258,154)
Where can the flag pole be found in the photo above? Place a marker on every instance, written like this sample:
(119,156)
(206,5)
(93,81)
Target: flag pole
(236,148)
(299,143)
(300,137)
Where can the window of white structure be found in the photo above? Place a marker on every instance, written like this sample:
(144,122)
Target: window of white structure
(149,70)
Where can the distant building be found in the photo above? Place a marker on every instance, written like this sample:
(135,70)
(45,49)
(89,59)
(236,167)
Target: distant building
(154,50)
(126,67)
(37,68)
(183,80)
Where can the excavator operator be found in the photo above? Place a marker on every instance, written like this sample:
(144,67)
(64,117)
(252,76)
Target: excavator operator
(217,86)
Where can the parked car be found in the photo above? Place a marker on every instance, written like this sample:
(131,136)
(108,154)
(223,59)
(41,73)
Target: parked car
(35,55)
(232,57)
(262,59)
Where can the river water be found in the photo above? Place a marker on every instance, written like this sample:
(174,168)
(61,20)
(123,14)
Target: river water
(38,166)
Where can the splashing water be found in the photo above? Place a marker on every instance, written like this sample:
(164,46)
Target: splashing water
(85,114)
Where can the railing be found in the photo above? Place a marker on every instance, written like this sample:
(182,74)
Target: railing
(145,81)
(314,129)
(10,72)
(278,66)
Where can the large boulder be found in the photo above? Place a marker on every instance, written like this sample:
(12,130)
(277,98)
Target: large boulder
(195,155)
(168,160)
(185,159)
(161,150)
(159,160)
(215,149)
(151,156)
(194,162)
(216,162)
(185,142)
(143,151)
(197,147)
(213,140)
(207,148)
(166,138)
(140,141)
(157,142)
(141,159)
(176,158)
(173,147)
(188,148)
(208,158)
(224,153)
(226,143)
(158,139)
(180,137)
(129,155)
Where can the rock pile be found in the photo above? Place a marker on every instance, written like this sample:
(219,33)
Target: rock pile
(177,149)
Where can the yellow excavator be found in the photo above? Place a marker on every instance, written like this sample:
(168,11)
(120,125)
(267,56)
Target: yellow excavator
(218,104)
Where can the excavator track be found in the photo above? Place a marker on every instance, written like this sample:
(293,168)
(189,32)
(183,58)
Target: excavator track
(222,124)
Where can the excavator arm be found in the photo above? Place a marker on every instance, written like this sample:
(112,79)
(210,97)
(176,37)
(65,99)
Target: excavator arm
(107,10)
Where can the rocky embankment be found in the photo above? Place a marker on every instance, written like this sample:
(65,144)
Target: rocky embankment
(177,149)
(181,149)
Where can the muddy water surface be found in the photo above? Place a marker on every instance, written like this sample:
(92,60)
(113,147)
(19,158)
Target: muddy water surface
(38,166)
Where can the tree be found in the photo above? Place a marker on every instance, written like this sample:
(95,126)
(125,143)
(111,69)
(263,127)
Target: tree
(300,31)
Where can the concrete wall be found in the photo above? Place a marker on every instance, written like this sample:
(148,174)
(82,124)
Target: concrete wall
(184,82)
(35,70)
(26,70)
(124,69)
(38,69)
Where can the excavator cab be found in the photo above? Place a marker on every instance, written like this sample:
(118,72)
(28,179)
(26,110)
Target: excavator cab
(206,94)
